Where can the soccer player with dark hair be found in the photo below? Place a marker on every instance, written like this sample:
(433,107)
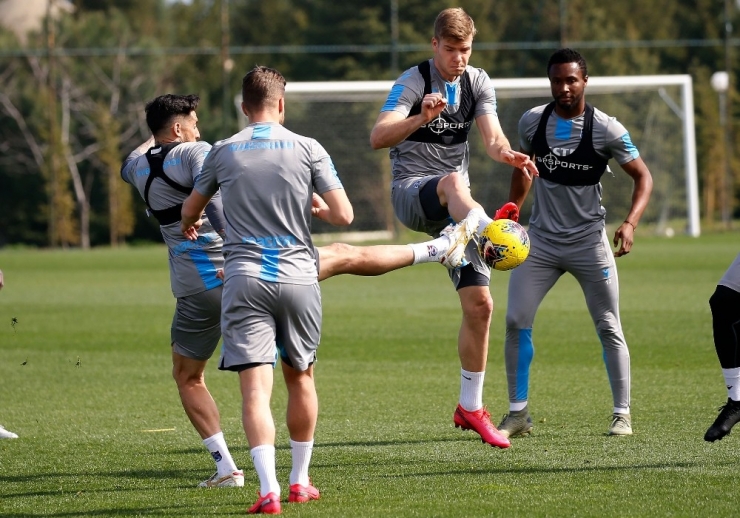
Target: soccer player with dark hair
(425,122)
(725,305)
(571,143)
(163,170)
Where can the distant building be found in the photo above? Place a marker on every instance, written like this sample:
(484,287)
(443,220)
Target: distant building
(24,16)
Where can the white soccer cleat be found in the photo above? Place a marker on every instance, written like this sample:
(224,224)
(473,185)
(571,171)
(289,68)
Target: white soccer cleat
(233,479)
(5,434)
(459,236)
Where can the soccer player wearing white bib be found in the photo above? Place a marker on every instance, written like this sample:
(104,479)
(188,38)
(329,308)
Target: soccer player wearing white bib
(425,122)
(571,142)
(725,305)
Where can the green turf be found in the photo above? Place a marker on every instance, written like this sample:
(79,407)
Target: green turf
(85,373)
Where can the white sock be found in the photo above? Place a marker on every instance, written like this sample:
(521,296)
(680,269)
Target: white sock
(429,251)
(471,390)
(216,445)
(263,458)
(483,218)
(732,381)
(516,407)
(301,453)
(620,410)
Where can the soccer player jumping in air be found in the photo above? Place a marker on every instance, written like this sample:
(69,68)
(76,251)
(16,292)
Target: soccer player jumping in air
(425,122)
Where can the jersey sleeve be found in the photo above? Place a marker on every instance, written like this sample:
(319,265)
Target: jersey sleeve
(484,93)
(323,173)
(527,126)
(406,92)
(127,168)
(194,158)
(206,183)
(619,143)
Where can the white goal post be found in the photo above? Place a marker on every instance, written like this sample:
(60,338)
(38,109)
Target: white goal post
(658,111)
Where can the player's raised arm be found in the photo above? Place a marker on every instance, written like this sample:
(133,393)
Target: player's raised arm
(392,127)
(498,147)
(521,184)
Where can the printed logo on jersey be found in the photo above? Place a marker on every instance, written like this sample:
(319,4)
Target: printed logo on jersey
(552,162)
(270,241)
(172,162)
(439,125)
(254,144)
(201,242)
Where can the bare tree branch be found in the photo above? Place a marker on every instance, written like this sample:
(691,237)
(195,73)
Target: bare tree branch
(11,110)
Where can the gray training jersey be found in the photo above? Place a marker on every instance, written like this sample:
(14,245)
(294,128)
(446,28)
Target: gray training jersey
(731,278)
(193,264)
(267,175)
(414,159)
(566,213)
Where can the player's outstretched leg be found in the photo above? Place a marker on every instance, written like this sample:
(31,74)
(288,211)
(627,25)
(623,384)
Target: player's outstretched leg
(459,236)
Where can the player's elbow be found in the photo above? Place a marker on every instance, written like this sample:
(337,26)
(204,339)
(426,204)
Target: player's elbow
(376,139)
(374,143)
(189,211)
(344,217)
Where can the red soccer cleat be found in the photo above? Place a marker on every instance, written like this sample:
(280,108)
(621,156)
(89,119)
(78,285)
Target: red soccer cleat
(509,210)
(480,422)
(301,494)
(268,504)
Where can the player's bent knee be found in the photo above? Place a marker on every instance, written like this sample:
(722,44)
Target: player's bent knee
(518,319)
(479,307)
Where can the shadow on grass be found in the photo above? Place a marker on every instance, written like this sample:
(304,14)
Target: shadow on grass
(170,510)
(344,444)
(530,470)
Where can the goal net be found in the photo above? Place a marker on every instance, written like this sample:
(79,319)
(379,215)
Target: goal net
(657,110)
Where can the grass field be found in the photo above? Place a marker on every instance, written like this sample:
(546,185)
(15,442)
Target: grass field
(85,381)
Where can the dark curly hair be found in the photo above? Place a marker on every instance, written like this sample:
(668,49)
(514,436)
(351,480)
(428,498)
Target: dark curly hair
(567,56)
(161,110)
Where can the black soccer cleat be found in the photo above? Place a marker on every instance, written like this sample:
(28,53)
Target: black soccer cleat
(728,416)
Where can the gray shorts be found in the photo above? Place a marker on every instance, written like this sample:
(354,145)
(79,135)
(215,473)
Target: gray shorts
(261,318)
(409,210)
(196,325)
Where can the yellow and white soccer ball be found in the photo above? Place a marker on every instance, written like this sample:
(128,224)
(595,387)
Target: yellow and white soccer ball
(503,244)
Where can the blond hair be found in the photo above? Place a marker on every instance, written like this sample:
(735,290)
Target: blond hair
(454,24)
